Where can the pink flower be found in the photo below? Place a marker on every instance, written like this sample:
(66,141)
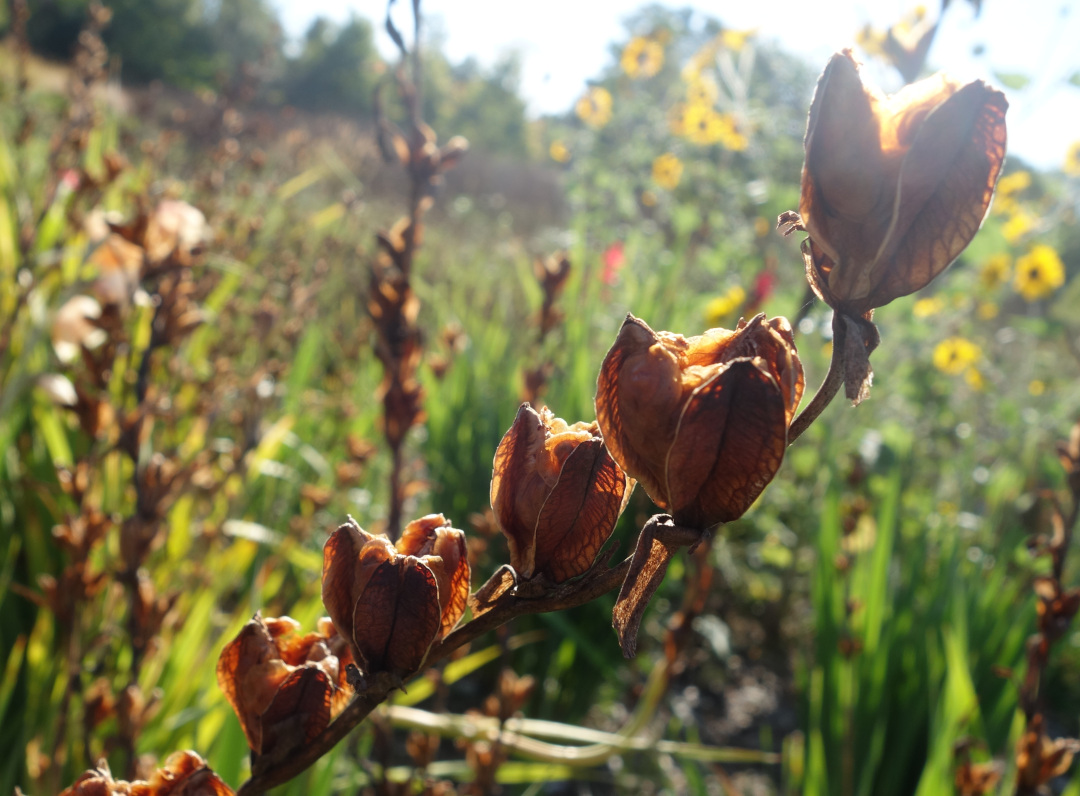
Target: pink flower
(614,259)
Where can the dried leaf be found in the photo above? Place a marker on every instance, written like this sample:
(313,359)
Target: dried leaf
(487,596)
(647,569)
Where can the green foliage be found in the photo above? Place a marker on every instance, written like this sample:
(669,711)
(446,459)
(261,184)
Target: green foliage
(480,103)
(188,43)
(335,70)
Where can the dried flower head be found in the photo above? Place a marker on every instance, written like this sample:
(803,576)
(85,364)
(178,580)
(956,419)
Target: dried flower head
(184,774)
(700,422)
(894,188)
(556,493)
(284,687)
(391,602)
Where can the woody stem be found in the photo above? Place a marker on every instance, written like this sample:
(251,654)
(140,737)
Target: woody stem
(829,387)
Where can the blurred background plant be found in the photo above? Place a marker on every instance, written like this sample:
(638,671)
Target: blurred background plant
(188,408)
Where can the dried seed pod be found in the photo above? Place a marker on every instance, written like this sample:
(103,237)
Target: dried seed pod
(391,603)
(894,188)
(1040,759)
(700,422)
(556,493)
(285,688)
(184,774)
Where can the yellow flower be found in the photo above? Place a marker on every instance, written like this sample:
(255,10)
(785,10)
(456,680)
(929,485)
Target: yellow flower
(1008,188)
(559,152)
(1019,224)
(1072,160)
(667,171)
(677,118)
(872,41)
(704,125)
(1036,387)
(648,198)
(1038,273)
(594,107)
(736,39)
(702,90)
(995,271)
(956,355)
(926,307)
(987,310)
(762,226)
(733,139)
(974,378)
(1017,182)
(642,57)
(718,310)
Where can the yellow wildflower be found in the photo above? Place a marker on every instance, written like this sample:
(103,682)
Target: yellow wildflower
(1019,224)
(987,310)
(995,271)
(704,125)
(594,107)
(677,118)
(720,308)
(1038,273)
(1008,187)
(926,307)
(871,41)
(1072,160)
(648,198)
(642,57)
(1036,387)
(667,171)
(702,90)
(974,378)
(762,226)
(1017,182)
(559,152)
(956,355)
(736,39)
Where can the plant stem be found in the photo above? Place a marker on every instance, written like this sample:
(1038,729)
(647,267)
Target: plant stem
(829,387)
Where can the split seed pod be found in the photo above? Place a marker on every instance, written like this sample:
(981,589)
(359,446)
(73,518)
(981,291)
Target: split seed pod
(556,494)
(702,422)
(184,774)
(392,602)
(894,188)
(285,688)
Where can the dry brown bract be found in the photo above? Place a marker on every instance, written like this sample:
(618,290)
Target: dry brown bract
(284,687)
(556,493)
(184,774)
(392,602)
(894,188)
(700,422)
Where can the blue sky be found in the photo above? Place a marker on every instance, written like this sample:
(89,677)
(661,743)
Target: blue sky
(565,42)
